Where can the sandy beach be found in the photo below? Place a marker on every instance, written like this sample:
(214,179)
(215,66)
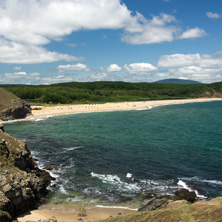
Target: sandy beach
(84,108)
(71,213)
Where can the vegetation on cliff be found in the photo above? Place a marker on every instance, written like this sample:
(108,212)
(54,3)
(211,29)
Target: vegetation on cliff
(82,92)
(178,211)
(12,107)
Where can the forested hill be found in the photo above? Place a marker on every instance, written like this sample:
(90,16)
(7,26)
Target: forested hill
(84,92)
(178,81)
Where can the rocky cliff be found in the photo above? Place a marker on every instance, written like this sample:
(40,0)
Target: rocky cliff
(11,107)
(22,183)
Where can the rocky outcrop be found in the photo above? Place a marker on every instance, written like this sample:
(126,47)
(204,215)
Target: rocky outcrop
(162,202)
(22,183)
(12,107)
(200,211)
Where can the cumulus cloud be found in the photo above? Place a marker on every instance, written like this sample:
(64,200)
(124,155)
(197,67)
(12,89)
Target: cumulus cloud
(78,66)
(21,73)
(98,76)
(12,52)
(205,68)
(36,22)
(156,30)
(193,33)
(177,60)
(17,68)
(213,15)
(140,68)
(161,28)
(114,68)
(30,24)
(197,73)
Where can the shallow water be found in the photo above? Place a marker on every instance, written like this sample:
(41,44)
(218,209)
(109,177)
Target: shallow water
(112,157)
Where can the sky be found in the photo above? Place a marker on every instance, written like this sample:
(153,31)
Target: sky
(54,41)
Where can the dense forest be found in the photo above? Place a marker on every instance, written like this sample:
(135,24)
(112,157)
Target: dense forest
(87,92)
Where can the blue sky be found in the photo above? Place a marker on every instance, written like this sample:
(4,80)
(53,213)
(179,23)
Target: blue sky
(51,41)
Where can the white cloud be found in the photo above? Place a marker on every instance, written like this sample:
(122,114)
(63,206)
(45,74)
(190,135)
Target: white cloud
(17,68)
(114,68)
(98,76)
(177,60)
(193,33)
(197,73)
(78,66)
(37,22)
(213,15)
(12,52)
(156,30)
(21,73)
(162,28)
(140,68)
(73,45)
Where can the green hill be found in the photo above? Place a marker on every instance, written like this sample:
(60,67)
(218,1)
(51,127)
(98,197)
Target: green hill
(178,81)
(86,92)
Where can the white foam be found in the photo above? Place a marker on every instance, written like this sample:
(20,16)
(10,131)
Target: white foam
(216,182)
(73,148)
(149,107)
(129,175)
(184,185)
(62,190)
(117,207)
(115,180)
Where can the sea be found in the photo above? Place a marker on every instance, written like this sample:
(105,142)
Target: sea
(115,158)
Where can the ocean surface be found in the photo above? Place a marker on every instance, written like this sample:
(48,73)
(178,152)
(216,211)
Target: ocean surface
(110,158)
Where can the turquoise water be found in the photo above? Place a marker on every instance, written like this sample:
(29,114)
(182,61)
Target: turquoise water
(112,157)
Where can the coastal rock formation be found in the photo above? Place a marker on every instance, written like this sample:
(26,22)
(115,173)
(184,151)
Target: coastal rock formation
(11,107)
(162,202)
(22,183)
(210,211)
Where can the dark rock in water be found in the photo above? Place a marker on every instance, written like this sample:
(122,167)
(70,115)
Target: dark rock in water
(158,202)
(161,202)
(2,128)
(186,195)
(148,195)
(12,107)
(48,168)
(21,182)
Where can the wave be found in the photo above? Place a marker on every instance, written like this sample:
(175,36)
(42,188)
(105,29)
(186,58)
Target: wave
(73,148)
(134,185)
(201,180)
(184,185)
(115,180)
(148,108)
(118,207)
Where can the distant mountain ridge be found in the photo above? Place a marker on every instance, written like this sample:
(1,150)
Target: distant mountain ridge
(178,81)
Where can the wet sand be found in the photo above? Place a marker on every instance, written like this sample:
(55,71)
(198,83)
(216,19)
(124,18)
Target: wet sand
(71,213)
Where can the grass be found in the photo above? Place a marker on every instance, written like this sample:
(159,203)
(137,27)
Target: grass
(201,211)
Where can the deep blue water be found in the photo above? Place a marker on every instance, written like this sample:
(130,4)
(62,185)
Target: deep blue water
(113,157)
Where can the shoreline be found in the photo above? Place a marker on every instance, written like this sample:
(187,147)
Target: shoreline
(59,110)
(72,211)
(105,107)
